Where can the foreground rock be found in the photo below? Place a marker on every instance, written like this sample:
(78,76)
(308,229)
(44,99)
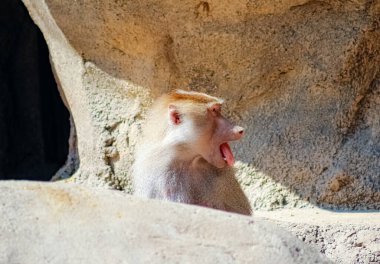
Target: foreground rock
(302,76)
(64,223)
(344,237)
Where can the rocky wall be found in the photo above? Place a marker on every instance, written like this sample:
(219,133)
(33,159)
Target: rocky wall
(301,75)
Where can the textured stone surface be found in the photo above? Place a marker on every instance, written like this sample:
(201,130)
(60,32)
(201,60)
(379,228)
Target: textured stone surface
(344,237)
(301,75)
(67,223)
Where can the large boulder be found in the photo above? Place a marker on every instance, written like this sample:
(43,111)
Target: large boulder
(68,223)
(301,75)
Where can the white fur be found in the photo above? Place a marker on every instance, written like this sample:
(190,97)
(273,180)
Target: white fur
(179,134)
(157,171)
(219,100)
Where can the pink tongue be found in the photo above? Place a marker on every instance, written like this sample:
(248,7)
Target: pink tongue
(227,153)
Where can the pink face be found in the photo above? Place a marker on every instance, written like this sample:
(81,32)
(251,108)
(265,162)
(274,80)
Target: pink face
(213,132)
(217,151)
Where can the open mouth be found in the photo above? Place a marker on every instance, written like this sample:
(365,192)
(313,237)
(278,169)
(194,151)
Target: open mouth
(227,154)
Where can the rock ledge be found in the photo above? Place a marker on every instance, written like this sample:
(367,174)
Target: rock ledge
(65,223)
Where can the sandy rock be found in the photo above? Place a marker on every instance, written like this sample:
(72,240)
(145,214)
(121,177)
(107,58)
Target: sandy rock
(69,223)
(344,237)
(302,76)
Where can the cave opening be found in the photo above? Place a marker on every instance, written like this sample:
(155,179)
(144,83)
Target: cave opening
(34,122)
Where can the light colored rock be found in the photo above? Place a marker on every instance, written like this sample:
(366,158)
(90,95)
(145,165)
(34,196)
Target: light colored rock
(68,223)
(106,110)
(301,75)
(344,237)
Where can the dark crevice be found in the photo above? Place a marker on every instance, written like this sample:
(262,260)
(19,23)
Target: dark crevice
(357,111)
(34,123)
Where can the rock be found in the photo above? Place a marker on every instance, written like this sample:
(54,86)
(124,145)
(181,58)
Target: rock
(68,223)
(301,75)
(344,237)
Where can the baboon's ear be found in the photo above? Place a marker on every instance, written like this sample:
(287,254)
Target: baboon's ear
(174,115)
